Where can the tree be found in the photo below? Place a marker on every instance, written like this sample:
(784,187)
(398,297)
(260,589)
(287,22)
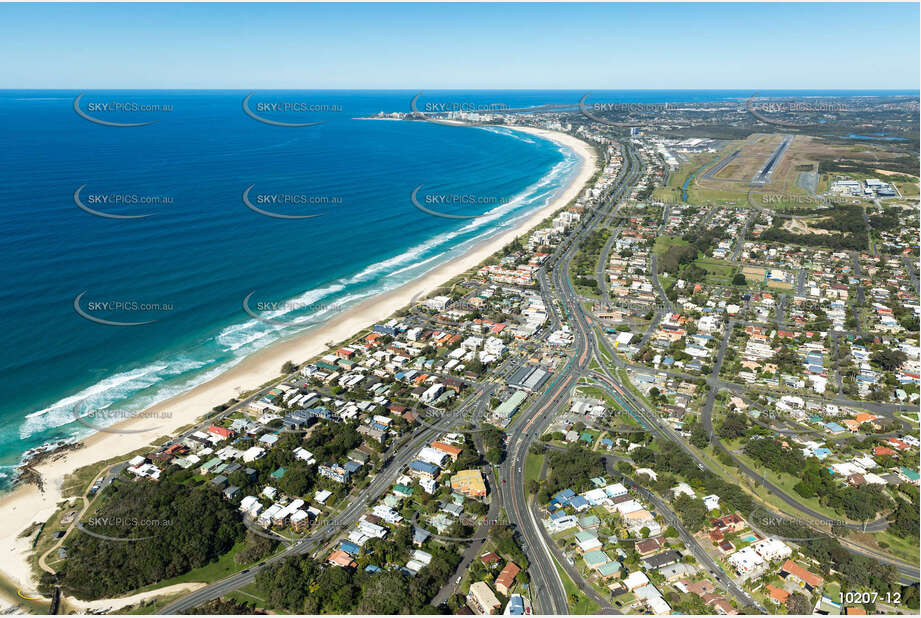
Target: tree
(699,436)
(739,279)
(889,359)
(693,512)
(288,367)
(797,603)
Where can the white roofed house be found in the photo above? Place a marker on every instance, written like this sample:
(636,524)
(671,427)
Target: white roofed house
(746,562)
(771,549)
(268,515)
(712,502)
(387,514)
(433,456)
(304,455)
(253,453)
(432,393)
(634,580)
(251,506)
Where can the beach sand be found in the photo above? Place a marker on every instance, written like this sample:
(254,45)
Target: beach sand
(26,504)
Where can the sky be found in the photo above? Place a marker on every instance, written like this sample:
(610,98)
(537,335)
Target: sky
(460,46)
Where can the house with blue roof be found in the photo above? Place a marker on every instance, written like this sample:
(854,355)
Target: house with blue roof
(579,503)
(515,606)
(564,496)
(424,469)
(834,427)
(350,548)
(321,412)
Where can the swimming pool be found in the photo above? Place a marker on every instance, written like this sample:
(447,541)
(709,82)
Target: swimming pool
(749,538)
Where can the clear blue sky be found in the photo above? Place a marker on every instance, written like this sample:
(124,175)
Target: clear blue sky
(492,46)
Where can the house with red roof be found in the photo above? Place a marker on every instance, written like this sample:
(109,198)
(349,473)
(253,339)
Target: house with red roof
(777,595)
(791,571)
(221,432)
(506,578)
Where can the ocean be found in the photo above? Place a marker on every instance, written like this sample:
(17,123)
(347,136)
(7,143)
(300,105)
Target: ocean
(327,221)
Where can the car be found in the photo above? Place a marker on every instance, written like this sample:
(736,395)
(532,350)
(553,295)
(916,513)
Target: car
(244,571)
(457,581)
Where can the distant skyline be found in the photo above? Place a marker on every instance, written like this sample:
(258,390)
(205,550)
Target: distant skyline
(462,46)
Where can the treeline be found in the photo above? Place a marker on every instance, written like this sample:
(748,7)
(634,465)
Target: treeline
(847,242)
(301,585)
(844,218)
(225,607)
(856,571)
(572,469)
(181,527)
(676,255)
(856,503)
(583,263)
(854,167)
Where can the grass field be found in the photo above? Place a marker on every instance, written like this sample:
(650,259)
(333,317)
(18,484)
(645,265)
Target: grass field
(663,243)
(579,604)
(532,467)
(719,272)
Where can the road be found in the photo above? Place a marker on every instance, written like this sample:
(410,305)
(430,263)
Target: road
(379,485)
(547,590)
(548,593)
(654,276)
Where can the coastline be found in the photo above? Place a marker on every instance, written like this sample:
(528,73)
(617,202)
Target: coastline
(26,504)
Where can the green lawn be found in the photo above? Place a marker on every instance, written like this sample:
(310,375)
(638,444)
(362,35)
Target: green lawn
(663,243)
(583,605)
(718,271)
(532,467)
(833,591)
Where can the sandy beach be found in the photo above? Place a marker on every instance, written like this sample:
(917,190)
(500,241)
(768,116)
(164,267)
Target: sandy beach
(27,504)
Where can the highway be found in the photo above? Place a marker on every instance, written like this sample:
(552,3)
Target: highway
(548,594)
(547,591)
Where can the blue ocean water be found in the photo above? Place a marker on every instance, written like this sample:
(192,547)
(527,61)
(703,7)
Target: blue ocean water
(202,250)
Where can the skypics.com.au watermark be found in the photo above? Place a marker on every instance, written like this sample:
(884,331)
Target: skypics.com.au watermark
(470,113)
(804,529)
(792,198)
(113,113)
(305,309)
(792,114)
(117,307)
(595,111)
(94,525)
(282,205)
(104,419)
(287,113)
(445,205)
(101,204)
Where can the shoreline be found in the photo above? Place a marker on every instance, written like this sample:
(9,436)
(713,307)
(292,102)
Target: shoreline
(26,504)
